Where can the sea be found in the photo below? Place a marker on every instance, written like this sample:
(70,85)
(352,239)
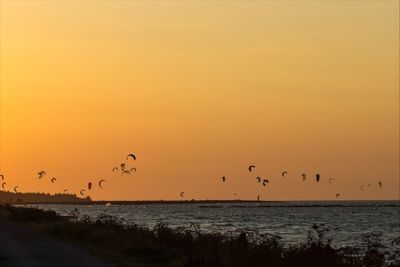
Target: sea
(348,221)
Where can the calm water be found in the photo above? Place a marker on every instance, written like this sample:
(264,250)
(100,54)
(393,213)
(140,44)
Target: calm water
(348,221)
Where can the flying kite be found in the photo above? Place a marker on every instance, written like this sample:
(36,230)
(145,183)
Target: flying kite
(41,174)
(182,194)
(128,172)
(330,180)
(317,177)
(362,187)
(15,189)
(53,179)
(265,181)
(2,177)
(132,156)
(133,169)
(258,179)
(258,198)
(122,166)
(284,173)
(251,167)
(2,185)
(337,195)
(304,176)
(223,178)
(89,185)
(81,192)
(115,169)
(100,182)
(65,191)
(380,184)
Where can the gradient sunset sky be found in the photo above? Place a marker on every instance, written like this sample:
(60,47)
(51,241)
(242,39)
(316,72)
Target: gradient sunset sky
(200,90)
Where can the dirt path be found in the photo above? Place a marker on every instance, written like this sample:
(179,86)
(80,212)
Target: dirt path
(21,247)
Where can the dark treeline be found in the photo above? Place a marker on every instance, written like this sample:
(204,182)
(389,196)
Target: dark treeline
(40,198)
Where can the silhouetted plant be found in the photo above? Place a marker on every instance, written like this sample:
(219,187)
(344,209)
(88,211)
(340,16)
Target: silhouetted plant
(373,258)
(317,236)
(32,214)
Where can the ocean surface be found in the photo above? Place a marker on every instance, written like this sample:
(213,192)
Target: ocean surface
(290,221)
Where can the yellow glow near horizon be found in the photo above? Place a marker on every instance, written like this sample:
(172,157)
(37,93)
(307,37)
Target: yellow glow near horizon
(199,90)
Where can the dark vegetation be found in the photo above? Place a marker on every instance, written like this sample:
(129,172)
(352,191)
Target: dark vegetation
(7,197)
(188,246)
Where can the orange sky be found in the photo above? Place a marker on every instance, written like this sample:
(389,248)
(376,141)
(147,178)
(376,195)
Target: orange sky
(199,90)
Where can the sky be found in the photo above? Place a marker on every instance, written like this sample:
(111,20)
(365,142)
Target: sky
(199,90)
